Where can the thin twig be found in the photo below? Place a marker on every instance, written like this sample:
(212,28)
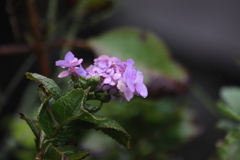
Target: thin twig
(38,43)
(10,49)
(13,20)
(77,43)
(51,15)
(14,49)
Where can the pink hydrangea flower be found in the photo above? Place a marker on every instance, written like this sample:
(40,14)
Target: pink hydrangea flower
(132,83)
(71,63)
(118,76)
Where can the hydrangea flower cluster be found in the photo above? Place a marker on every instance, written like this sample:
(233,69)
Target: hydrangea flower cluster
(119,78)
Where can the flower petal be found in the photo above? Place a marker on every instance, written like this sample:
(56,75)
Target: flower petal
(106,87)
(139,77)
(128,94)
(130,73)
(63,74)
(130,62)
(80,71)
(61,63)
(107,80)
(69,56)
(116,76)
(121,86)
(141,89)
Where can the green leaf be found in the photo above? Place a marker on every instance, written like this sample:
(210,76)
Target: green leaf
(51,153)
(78,155)
(227,111)
(228,125)
(88,117)
(44,118)
(93,106)
(230,147)
(70,132)
(150,54)
(68,105)
(32,124)
(114,130)
(50,85)
(231,95)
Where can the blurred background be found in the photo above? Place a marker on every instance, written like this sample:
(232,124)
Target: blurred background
(202,36)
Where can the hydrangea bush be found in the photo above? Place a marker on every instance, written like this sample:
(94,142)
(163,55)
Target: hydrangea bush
(62,118)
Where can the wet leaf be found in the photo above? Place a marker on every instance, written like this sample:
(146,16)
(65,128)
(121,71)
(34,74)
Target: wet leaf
(51,153)
(44,118)
(33,124)
(114,130)
(78,155)
(50,85)
(68,105)
(231,95)
(227,111)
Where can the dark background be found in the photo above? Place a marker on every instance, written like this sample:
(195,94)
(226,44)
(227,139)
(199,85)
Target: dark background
(203,36)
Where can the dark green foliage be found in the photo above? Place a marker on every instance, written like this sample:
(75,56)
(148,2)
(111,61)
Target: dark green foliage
(44,118)
(68,106)
(229,106)
(51,153)
(115,131)
(77,156)
(63,118)
(229,149)
(33,124)
(49,84)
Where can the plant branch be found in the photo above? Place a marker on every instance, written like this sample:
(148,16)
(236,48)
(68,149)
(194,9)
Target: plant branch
(10,49)
(78,43)
(13,20)
(38,43)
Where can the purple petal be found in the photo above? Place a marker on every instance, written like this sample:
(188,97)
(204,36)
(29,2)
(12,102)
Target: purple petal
(80,71)
(115,59)
(139,77)
(102,64)
(130,85)
(61,63)
(141,89)
(130,73)
(109,70)
(106,87)
(69,56)
(121,86)
(116,76)
(112,83)
(107,80)
(128,94)
(75,62)
(130,62)
(63,74)
(102,57)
